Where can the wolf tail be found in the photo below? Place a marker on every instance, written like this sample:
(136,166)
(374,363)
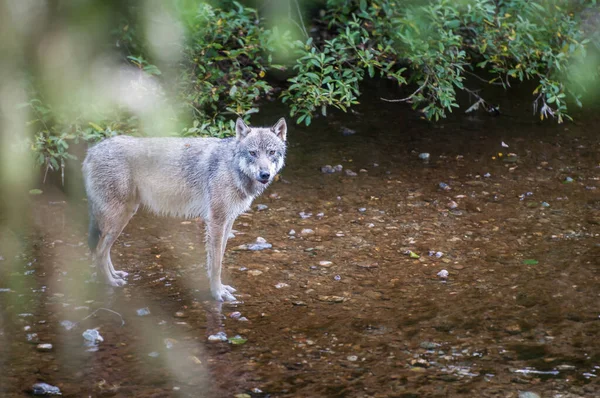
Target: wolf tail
(94,233)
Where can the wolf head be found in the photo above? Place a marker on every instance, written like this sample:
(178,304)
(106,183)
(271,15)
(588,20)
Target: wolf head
(261,150)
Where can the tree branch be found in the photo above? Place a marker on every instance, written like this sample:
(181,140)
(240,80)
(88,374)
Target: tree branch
(410,96)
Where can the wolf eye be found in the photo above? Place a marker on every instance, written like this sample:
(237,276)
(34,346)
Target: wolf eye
(252,153)
(271,153)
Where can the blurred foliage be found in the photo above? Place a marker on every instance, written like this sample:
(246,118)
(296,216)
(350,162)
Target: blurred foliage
(228,50)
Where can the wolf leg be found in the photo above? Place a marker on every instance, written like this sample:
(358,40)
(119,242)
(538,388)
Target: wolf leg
(111,226)
(132,209)
(215,236)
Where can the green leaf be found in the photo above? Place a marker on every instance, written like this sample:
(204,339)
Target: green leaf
(530,261)
(237,340)
(36,192)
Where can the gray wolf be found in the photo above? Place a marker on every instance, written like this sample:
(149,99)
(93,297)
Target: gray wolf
(214,179)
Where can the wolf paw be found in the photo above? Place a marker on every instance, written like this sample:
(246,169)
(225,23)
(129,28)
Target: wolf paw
(116,282)
(120,274)
(223,293)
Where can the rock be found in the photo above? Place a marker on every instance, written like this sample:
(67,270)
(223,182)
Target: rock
(261,244)
(327,169)
(45,389)
(352,358)
(528,394)
(373,295)
(428,345)
(452,205)
(169,343)
(154,354)
(143,311)
(32,338)
(92,337)
(443,274)
(235,315)
(44,347)
(362,209)
(307,231)
(261,207)
(299,303)
(443,186)
(367,265)
(568,180)
(68,325)
(281,285)
(180,314)
(338,168)
(292,232)
(221,336)
(332,299)
(350,173)
(255,272)
(513,329)
(347,132)
(337,278)
(304,215)
(325,263)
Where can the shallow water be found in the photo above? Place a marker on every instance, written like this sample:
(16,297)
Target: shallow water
(344,311)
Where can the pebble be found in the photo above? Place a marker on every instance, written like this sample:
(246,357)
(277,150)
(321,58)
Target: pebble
(304,215)
(44,347)
(362,209)
(169,343)
(235,315)
(142,311)
(443,274)
(327,169)
(261,207)
(528,394)
(487,175)
(281,285)
(292,232)
(32,338)
(337,278)
(346,131)
(352,358)
(338,168)
(452,205)
(444,186)
(154,354)
(350,173)
(221,336)
(45,389)
(568,180)
(424,156)
(325,263)
(92,336)
(307,231)
(255,272)
(180,314)
(332,299)
(261,244)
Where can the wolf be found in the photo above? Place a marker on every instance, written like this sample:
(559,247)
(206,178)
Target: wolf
(211,178)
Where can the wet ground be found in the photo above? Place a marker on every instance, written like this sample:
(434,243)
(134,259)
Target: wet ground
(345,310)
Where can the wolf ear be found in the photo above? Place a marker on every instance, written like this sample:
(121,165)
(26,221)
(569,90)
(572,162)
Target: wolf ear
(241,129)
(280,129)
